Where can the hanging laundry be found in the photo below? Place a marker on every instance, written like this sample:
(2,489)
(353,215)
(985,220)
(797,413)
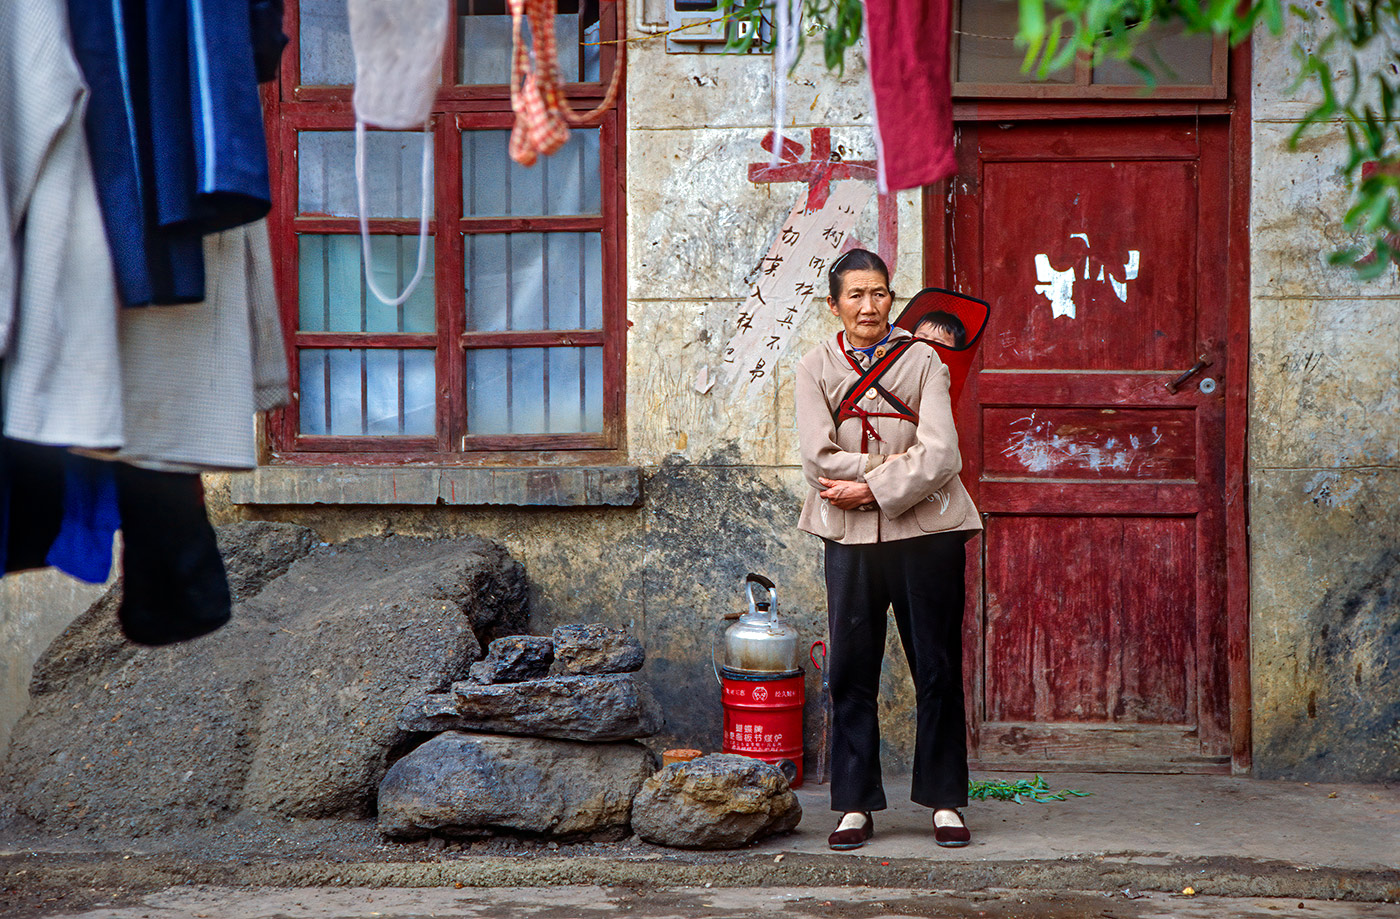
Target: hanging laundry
(398,47)
(542,114)
(906,46)
(265,22)
(83,546)
(176,132)
(174,586)
(193,376)
(56,509)
(61,379)
(31,489)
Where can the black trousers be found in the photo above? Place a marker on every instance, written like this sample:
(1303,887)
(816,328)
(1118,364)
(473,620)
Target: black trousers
(922,578)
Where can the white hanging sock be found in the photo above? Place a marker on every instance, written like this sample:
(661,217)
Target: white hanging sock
(398,61)
(788,28)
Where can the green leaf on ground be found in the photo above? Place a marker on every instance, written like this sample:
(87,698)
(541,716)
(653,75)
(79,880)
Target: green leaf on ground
(1035,789)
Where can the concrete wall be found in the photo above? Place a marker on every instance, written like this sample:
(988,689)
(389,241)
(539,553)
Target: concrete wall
(1324,463)
(35,606)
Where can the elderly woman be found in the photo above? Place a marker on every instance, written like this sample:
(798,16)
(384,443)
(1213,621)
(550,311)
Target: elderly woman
(881,455)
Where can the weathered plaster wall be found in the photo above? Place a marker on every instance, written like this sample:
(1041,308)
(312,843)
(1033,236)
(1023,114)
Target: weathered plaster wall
(724,484)
(35,606)
(1324,461)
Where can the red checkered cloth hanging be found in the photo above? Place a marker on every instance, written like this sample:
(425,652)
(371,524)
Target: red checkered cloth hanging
(542,114)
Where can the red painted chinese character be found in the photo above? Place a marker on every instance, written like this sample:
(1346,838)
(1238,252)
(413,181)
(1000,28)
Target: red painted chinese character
(819,172)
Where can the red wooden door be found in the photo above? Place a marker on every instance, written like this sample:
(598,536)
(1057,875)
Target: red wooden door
(1099,637)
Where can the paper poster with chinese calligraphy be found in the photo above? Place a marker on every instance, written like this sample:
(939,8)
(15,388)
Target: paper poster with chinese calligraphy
(788,277)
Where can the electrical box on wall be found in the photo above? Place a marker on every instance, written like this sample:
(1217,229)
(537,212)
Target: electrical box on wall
(700,27)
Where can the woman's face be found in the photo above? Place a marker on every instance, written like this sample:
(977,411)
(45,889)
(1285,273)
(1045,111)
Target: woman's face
(863,307)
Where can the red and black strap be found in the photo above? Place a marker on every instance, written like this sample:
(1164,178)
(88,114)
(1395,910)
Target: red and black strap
(870,379)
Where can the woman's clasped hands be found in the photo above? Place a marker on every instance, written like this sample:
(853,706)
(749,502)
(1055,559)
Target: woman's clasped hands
(846,495)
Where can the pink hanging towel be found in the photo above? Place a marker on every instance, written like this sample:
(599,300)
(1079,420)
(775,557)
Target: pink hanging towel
(906,45)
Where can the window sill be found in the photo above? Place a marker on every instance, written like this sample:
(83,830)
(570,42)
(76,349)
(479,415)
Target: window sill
(535,486)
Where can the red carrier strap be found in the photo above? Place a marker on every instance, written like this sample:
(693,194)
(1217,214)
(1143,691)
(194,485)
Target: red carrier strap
(870,379)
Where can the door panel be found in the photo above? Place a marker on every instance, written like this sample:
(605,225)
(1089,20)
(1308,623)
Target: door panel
(1099,637)
(1090,443)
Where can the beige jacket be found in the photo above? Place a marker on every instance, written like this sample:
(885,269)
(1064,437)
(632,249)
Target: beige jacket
(912,470)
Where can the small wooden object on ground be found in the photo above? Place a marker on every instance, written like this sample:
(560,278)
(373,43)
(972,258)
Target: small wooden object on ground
(679,756)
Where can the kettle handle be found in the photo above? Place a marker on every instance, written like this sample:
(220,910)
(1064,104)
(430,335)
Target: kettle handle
(760,580)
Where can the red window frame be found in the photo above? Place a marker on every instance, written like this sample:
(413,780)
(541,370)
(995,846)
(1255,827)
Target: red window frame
(290,108)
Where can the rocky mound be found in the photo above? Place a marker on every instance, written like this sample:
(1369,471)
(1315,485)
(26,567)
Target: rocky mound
(290,709)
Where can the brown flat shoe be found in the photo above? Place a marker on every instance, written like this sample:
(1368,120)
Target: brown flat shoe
(952,837)
(853,838)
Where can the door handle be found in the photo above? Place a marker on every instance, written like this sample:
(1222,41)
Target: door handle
(1202,363)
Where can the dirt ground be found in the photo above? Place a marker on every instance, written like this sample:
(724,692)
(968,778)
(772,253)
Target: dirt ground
(587,902)
(250,869)
(1246,848)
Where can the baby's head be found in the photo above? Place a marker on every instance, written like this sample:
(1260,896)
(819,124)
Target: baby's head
(942,328)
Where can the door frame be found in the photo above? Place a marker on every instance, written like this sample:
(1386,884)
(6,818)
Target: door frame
(938,272)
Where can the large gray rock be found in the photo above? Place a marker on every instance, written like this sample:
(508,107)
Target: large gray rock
(459,784)
(591,649)
(254,553)
(721,801)
(389,619)
(513,659)
(290,708)
(615,706)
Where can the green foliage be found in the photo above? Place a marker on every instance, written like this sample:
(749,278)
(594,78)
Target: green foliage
(1036,790)
(839,21)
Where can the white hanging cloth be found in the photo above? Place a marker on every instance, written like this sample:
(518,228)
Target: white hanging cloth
(398,48)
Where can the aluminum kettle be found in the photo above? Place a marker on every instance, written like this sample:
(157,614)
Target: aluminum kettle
(760,642)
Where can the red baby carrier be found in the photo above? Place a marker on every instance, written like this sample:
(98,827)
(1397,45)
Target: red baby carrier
(970,311)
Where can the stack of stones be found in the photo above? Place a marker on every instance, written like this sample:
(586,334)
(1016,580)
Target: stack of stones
(541,738)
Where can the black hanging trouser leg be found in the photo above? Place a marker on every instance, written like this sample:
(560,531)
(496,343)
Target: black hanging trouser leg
(173,580)
(923,579)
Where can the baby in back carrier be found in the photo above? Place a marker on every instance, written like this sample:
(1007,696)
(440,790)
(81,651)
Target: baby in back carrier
(943,328)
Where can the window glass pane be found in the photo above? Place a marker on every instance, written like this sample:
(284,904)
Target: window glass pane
(532,281)
(566,183)
(534,390)
(592,53)
(486,172)
(527,272)
(986,51)
(591,291)
(375,391)
(331,291)
(326,57)
(484,41)
(393,173)
(312,385)
(1177,59)
(488,282)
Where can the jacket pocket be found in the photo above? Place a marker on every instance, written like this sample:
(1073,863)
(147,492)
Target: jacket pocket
(937,512)
(823,518)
